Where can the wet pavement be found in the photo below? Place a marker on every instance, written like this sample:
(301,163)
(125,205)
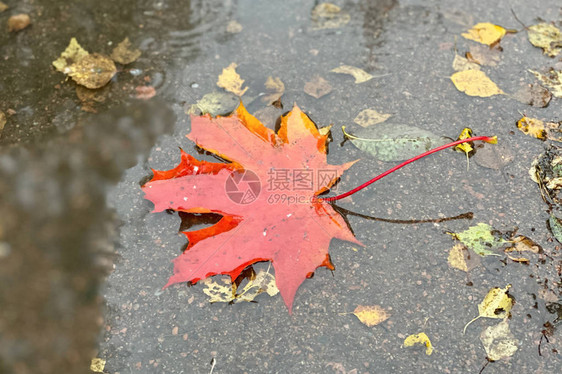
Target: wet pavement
(82,259)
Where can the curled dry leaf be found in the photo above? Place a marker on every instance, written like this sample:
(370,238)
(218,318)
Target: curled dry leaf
(420,338)
(18,22)
(317,87)
(328,16)
(475,83)
(369,117)
(360,76)
(546,36)
(231,81)
(496,304)
(124,54)
(522,244)
(371,315)
(552,79)
(485,33)
(498,341)
(92,71)
(539,129)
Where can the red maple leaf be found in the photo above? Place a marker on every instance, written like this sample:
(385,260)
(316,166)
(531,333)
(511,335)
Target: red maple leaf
(265,195)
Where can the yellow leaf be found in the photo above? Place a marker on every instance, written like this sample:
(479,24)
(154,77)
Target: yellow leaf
(553,80)
(496,304)
(420,338)
(465,147)
(226,292)
(92,71)
(498,341)
(461,64)
(97,365)
(219,293)
(231,81)
(328,16)
(369,117)
(124,54)
(485,33)
(72,54)
(371,315)
(275,88)
(539,129)
(475,83)
(263,282)
(461,258)
(359,75)
(546,36)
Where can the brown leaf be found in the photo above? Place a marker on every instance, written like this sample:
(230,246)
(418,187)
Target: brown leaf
(92,71)
(18,22)
(371,315)
(124,54)
(317,87)
(534,95)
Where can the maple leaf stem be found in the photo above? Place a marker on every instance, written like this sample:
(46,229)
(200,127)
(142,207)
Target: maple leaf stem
(486,139)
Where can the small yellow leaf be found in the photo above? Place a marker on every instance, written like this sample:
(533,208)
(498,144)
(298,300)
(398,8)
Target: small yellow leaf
(553,80)
(420,338)
(227,292)
(466,133)
(325,131)
(475,83)
(231,81)
(124,54)
(97,365)
(371,315)
(328,16)
(485,33)
(496,304)
(461,258)
(72,54)
(546,36)
(219,293)
(360,75)
(539,129)
(275,88)
(92,71)
(234,27)
(498,341)
(369,117)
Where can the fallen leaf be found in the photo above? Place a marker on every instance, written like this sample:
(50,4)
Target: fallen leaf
(539,129)
(3,7)
(553,80)
(227,292)
(218,103)
(71,55)
(534,95)
(234,27)
(420,338)
(328,16)
(92,71)
(485,33)
(522,244)
(360,75)
(275,89)
(97,365)
(2,121)
(231,81)
(484,55)
(18,22)
(480,239)
(124,54)
(475,83)
(390,142)
(467,148)
(498,341)
(317,87)
(555,226)
(496,304)
(461,64)
(256,225)
(460,257)
(371,315)
(546,36)
(369,117)
(546,171)
(145,92)
(494,157)
(89,98)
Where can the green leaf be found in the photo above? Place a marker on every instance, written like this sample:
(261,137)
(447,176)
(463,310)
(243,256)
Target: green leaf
(555,227)
(390,142)
(480,239)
